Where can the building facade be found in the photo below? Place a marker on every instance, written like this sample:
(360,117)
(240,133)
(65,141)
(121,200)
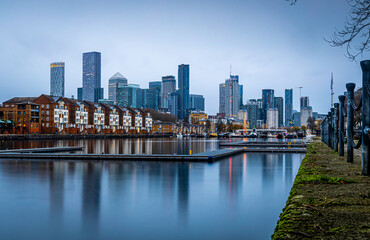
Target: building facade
(222,98)
(183,87)
(279,105)
(91,77)
(306,112)
(116,81)
(57,79)
(168,87)
(272,118)
(197,102)
(156,86)
(288,107)
(268,98)
(232,97)
(304,101)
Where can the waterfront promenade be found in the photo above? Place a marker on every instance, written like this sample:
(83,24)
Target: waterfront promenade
(330,199)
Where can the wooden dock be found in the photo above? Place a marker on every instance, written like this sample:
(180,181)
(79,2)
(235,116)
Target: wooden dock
(265,144)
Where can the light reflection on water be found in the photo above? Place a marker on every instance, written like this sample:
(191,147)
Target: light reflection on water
(237,198)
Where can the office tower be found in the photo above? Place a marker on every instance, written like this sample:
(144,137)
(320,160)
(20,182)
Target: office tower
(116,81)
(168,87)
(236,77)
(288,107)
(127,95)
(306,112)
(183,87)
(222,98)
(272,118)
(173,103)
(267,101)
(196,102)
(79,94)
(156,86)
(149,98)
(252,110)
(305,102)
(296,119)
(91,77)
(57,79)
(232,96)
(279,105)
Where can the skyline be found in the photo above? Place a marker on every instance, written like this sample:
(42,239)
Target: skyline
(209,36)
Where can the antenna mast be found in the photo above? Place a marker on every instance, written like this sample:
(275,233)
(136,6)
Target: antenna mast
(332,92)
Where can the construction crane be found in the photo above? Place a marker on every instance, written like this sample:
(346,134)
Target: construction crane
(300,92)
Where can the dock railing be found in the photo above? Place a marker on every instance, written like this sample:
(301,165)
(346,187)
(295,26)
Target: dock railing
(333,132)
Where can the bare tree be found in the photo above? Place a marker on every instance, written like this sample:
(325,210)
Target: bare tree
(355,34)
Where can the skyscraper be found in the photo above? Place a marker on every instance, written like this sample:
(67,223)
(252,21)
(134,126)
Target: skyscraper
(252,109)
(127,95)
(183,86)
(222,95)
(267,101)
(232,97)
(91,77)
(288,107)
(196,102)
(116,81)
(279,105)
(57,79)
(305,102)
(156,86)
(168,87)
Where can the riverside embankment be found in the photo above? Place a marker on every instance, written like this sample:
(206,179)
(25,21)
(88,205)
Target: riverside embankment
(77,136)
(330,199)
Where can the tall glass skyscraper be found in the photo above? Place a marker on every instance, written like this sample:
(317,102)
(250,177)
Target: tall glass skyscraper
(267,101)
(184,101)
(168,87)
(57,79)
(91,77)
(116,81)
(288,107)
(157,86)
(196,102)
(279,105)
(222,98)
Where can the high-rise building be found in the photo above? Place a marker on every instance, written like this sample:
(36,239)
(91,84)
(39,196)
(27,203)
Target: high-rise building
(267,101)
(149,98)
(183,87)
(232,97)
(305,102)
(196,102)
(252,110)
(288,107)
(79,94)
(168,87)
(222,98)
(306,112)
(279,105)
(116,81)
(296,119)
(236,77)
(156,86)
(57,79)
(272,118)
(127,96)
(173,103)
(91,77)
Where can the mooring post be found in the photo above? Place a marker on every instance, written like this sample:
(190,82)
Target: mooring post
(350,93)
(341,125)
(335,119)
(329,130)
(322,131)
(332,129)
(365,65)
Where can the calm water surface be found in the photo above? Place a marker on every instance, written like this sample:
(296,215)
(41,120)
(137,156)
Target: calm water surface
(236,198)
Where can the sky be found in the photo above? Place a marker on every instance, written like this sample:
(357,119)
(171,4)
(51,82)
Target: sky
(268,43)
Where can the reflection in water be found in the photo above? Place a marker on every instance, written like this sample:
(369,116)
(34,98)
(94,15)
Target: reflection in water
(91,190)
(139,200)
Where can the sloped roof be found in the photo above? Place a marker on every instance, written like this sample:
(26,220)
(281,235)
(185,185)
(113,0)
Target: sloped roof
(21,99)
(118,75)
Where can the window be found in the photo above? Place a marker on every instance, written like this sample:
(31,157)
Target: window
(47,112)
(47,118)
(47,106)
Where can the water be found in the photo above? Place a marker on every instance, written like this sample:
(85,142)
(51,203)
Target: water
(236,198)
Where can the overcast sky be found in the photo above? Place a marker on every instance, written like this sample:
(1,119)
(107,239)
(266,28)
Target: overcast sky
(269,43)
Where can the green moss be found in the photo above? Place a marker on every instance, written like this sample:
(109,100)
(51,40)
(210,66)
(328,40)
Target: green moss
(337,229)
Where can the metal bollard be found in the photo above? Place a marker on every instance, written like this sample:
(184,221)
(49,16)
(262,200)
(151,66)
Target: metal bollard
(350,114)
(365,66)
(341,125)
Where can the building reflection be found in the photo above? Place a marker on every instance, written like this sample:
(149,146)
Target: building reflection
(183,191)
(231,177)
(56,195)
(91,190)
